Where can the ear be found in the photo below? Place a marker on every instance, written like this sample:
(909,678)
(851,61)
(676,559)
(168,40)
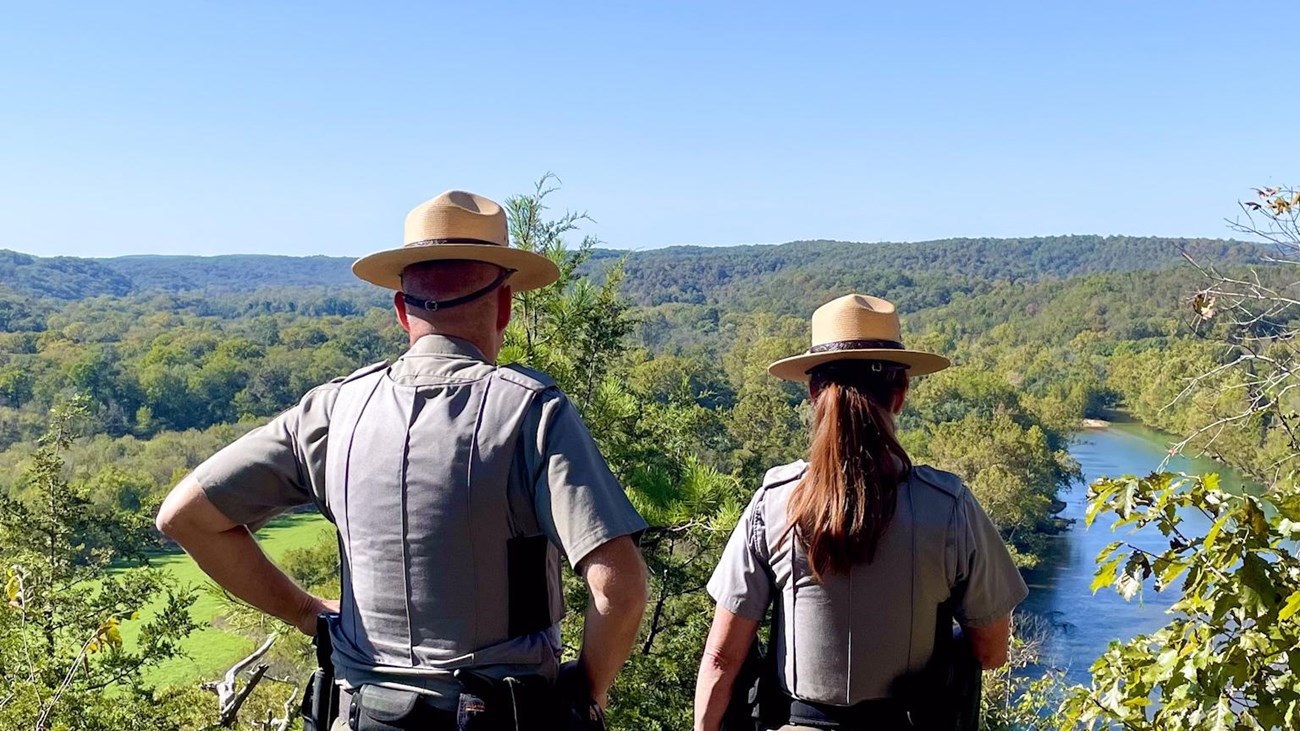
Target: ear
(399,306)
(900,396)
(505,301)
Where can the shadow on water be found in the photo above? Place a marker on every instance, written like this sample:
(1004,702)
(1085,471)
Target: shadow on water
(1080,623)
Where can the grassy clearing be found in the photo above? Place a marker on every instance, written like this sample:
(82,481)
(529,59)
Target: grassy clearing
(211,651)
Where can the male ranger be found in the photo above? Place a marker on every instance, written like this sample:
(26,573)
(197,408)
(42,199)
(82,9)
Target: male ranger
(454,484)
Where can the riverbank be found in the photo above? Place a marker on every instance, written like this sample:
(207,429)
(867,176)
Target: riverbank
(1108,418)
(1082,623)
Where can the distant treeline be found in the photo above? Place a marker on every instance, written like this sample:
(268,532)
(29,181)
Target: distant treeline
(796,277)
(802,271)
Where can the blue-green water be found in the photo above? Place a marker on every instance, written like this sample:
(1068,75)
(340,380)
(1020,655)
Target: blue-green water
(1081,623)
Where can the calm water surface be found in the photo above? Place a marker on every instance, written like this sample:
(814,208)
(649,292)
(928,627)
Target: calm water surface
(1081,623)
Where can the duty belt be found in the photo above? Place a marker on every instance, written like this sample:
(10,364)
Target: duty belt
(881,715)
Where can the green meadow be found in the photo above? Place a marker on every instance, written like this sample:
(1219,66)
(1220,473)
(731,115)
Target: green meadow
(210,651)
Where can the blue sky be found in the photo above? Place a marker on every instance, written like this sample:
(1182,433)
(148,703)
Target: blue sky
(206,128)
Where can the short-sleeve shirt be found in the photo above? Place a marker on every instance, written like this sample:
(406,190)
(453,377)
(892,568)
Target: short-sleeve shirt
(579,503)
(852,637)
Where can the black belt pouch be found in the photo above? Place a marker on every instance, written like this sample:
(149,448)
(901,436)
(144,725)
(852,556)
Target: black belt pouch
(376,708)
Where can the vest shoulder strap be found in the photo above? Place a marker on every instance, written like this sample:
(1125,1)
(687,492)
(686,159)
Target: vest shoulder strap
(778,476)
(944,482)
(528,378)
(354,390)
(763,541)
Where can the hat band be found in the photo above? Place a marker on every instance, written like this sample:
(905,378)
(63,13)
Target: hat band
(431,242)
(837,345)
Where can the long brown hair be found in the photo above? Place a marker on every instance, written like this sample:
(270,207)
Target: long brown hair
(846,499)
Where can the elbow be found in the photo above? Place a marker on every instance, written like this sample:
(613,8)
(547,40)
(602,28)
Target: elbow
(621,589)
(720,663)
(187,517)
(174,515)
(167,521)
(620,601)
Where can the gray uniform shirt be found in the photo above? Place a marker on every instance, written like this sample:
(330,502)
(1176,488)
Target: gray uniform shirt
(850,638)
(560,487)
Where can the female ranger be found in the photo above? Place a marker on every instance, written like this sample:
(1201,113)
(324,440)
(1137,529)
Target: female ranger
(867,558)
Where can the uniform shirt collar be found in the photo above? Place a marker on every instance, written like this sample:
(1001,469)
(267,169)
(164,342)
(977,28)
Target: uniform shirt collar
(438,359)
(446,347)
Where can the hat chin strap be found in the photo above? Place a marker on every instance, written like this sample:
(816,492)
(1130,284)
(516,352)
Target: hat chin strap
(437,305)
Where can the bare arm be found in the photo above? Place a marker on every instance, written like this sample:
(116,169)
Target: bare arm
(991,642)
(616,579)
(228,553)
(729,641)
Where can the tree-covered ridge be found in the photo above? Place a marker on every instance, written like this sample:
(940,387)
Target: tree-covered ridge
(806,273)
(233,272)
(60,276)
(69,277)
(735,275)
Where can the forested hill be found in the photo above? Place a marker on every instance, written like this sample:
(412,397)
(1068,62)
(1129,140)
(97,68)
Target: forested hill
(805,273)
(698,275)
(78,278)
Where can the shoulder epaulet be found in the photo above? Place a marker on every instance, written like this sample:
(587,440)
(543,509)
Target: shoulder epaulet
(778,476)
(533,380)
(761,541)
(362,372)
(945,482)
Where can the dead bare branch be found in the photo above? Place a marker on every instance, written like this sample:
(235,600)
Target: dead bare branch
(230,698)
(1255,313)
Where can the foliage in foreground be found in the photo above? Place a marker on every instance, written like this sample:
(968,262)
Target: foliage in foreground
(61,647)
(1229,658)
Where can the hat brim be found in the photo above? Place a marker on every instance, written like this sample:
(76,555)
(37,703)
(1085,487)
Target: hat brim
(919,363)
(384,268)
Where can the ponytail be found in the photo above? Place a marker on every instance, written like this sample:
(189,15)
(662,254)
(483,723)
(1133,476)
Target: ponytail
(846,499)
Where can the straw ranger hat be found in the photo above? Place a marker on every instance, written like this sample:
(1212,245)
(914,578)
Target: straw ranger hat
(457,226)
(856,327)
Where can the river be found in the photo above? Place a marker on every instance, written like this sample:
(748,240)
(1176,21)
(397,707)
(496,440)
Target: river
(1081,624)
